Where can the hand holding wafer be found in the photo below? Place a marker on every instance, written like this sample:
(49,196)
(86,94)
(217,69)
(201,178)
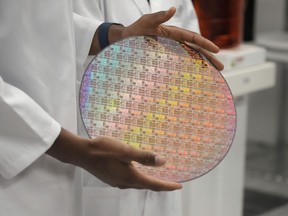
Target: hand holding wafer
(152,25)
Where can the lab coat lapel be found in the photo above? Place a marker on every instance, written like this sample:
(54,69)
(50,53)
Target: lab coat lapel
(143,6)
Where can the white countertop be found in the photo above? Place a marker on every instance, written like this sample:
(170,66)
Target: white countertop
(251,79)
(246,69)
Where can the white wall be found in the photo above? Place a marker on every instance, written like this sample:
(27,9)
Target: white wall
(263,108)
(270,15)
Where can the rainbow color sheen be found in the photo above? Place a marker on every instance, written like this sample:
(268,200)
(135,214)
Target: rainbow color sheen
(160,95)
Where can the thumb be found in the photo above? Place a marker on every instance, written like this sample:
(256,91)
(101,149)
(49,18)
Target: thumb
(160,17)
(147,158)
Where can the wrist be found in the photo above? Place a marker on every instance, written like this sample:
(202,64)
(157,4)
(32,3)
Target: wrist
(115,32)
(109,33)
(69,148)
(106,34)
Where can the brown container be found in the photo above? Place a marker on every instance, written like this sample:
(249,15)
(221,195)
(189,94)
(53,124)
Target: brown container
(221,21)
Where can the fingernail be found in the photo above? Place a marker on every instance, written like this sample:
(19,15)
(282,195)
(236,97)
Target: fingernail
(159,160)
(170,9)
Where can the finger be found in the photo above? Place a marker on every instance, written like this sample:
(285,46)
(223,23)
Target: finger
(217,64)
(160,17)
(148,182)
(141,181)
(122,186)
(202,42)
(145,157)
(147,24)
(128,153)
(182,35)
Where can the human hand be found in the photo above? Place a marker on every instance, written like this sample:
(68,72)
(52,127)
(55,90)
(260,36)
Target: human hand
(152,24)
(110,160)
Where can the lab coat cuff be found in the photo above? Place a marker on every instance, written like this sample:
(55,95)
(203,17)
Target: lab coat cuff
(29,155)
(103,30)
(28,132)
(85,29)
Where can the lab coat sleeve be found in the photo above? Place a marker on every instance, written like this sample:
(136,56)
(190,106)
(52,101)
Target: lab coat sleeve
(26,130)
(90,9)
(85,29)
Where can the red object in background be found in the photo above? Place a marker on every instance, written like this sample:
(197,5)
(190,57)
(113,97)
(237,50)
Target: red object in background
(221,21)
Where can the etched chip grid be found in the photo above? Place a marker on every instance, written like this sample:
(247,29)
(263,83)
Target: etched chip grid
(160,95)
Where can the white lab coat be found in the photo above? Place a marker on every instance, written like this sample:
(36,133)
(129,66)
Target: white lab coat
(37,95)
(99,198)
(128,11)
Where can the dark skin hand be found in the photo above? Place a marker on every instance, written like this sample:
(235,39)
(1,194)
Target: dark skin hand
(111,160)
(152,24)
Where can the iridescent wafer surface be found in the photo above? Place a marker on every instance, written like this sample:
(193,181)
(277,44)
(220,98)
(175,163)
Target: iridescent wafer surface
(160,95)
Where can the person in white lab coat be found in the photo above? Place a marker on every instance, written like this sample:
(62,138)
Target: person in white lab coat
(127,11)
(107,200)
(39,149)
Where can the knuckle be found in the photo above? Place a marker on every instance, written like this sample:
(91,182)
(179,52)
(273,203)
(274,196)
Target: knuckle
(101,139)
(127,150)
(148,158)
